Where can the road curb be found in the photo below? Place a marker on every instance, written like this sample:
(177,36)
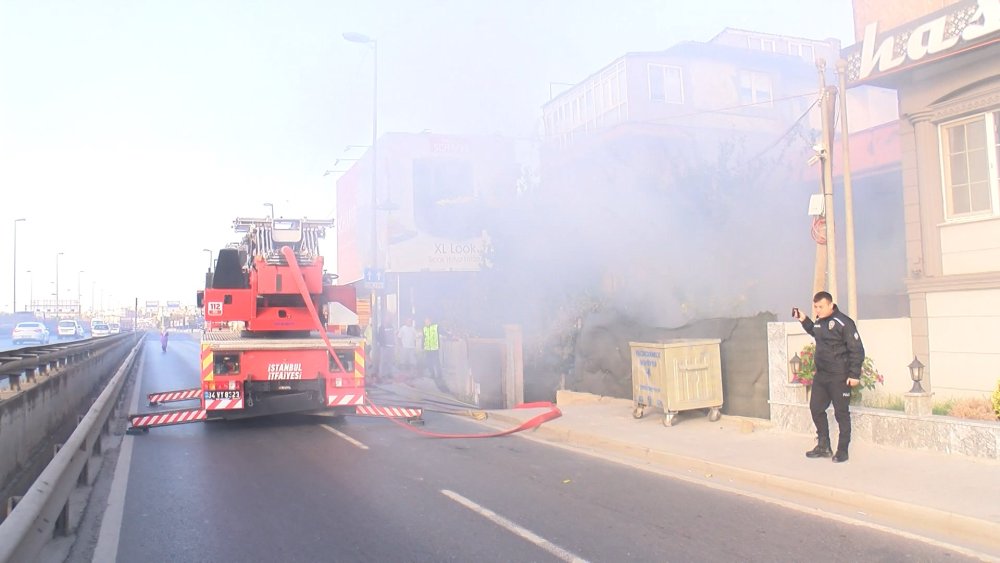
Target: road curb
(925,521)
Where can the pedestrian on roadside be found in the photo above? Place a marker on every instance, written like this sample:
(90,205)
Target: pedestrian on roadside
(163,340)
(432,352)
(407,336)
(838,358)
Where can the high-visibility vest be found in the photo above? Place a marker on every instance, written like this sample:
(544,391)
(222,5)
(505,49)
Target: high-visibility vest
(431,337)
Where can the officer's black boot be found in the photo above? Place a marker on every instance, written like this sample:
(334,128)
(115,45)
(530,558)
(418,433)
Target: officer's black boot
(822,449)
(841,455)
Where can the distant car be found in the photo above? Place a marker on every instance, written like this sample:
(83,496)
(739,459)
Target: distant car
(115,328)
(69,329)
(30,332)
(99,328)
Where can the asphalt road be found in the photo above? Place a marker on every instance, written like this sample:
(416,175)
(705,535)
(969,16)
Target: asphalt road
(313,489)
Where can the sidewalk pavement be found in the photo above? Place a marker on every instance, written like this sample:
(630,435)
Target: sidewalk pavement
(950,499)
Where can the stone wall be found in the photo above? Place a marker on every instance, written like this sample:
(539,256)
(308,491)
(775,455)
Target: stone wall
(914,429)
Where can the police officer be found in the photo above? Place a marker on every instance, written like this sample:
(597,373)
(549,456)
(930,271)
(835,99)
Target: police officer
(839,356)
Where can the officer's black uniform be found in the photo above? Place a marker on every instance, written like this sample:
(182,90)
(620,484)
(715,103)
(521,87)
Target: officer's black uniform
(839,356)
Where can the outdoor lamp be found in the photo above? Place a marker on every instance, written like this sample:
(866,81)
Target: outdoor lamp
(916,374)
(795,363)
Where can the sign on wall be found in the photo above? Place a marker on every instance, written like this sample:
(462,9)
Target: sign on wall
(963,25)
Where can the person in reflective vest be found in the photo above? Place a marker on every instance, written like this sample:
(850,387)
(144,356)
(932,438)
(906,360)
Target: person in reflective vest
(432,351)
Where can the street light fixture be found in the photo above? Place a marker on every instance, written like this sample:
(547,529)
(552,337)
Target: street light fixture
(354,37)
(14,301)
(916,374)
(796,364)
(58,254)
(271,205)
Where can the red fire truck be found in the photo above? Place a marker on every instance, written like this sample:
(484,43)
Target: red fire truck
(277,354)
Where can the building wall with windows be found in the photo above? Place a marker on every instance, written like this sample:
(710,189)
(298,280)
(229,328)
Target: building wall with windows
(949,106)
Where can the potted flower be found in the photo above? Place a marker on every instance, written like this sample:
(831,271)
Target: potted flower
(807,370)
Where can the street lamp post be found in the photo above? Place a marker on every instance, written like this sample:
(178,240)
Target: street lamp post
(58,254)
(271,205)
(79,294)
(31,292)
(208,274)
(14,302)
(365,40)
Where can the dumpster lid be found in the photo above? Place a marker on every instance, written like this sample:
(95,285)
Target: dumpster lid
(676,343)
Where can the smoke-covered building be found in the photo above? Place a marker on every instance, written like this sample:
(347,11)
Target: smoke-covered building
(436,197)
(691,165)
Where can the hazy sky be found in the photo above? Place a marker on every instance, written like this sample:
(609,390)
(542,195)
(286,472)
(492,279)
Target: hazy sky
(133,132)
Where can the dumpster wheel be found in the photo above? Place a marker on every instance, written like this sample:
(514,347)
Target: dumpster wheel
(714,414)
(669,418)
(637,412)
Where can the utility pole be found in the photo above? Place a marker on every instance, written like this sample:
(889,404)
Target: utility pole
(852,280)
(828,95)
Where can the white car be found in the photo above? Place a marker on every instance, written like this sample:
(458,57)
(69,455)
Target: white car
(115,328)
(69,329)
(30,332)
(99,328)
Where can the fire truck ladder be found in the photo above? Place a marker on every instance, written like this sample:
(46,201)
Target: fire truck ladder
(173,396)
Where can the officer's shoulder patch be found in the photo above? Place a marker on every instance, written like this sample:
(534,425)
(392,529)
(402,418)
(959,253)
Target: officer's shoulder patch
(856,337)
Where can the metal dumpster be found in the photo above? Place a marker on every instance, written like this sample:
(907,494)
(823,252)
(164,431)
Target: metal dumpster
(677,375)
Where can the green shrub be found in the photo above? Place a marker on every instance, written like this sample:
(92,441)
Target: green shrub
(943,409)
(885,401)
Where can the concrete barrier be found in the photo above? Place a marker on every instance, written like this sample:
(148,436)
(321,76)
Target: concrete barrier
(30,416)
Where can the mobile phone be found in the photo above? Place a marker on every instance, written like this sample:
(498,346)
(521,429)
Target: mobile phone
(795,312)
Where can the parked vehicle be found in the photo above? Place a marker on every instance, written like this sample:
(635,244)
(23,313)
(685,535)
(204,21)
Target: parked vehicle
(33,332)
(69,329)
(99,328)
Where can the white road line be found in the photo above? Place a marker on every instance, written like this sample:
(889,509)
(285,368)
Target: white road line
(111,522)
(345,436)
(512,527)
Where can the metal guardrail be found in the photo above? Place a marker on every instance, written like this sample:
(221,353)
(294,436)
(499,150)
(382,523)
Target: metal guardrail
(25,365)
(44,509)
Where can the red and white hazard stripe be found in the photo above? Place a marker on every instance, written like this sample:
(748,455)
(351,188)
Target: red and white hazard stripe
(391,412)
(224,404)
(345,400)
(166,418)
(170,396)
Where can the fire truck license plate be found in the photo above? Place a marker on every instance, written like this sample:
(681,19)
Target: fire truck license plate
(222,395)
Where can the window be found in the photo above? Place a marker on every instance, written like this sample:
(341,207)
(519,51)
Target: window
(755,88)
(767,45)
(802,50)
(665,84)
(970,149)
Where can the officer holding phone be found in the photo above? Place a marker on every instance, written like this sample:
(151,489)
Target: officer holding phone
(839,357)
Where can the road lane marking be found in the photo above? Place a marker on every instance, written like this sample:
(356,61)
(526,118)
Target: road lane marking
(345,436)
(512,527)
